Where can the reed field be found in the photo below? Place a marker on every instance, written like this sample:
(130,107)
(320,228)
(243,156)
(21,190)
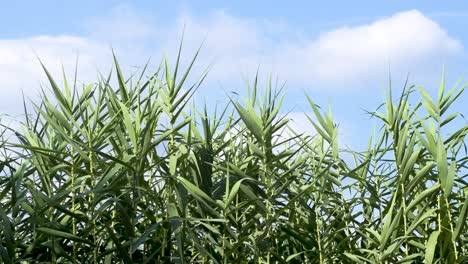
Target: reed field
(135,173)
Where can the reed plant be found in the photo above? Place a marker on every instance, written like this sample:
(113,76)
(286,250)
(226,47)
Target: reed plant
(134,173)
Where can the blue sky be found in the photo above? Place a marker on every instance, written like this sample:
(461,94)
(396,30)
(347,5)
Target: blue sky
(339,52)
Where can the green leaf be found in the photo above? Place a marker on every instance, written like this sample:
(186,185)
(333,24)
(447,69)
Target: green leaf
(233,192)
(121,79)
(4,254)
(420,174)
(129,126)
(450,180)
(422,195)
(461,221)
(250,120)
(356,258)
(441,91)
(290,257)
(173,164)
(442,164)
(121,251)
(8,235)
(431,247)
(62,234)
(194,190)
(429,104)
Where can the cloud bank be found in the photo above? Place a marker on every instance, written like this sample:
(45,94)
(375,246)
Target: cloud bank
(405,41)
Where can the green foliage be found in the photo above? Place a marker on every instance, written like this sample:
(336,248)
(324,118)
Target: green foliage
(132,174)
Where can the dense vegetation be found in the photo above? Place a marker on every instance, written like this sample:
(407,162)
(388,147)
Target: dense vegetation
(135,174)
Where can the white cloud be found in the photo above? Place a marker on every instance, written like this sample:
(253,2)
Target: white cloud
(300,124)
(122,23)
(402,39)
(20,69)
(407,41)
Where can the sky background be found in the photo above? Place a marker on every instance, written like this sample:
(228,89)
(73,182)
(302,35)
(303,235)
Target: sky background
(338,52)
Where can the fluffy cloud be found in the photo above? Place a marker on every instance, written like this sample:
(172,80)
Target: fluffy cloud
(405,41)
(300,124)
(20,69)
(407,38)
(122,23)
